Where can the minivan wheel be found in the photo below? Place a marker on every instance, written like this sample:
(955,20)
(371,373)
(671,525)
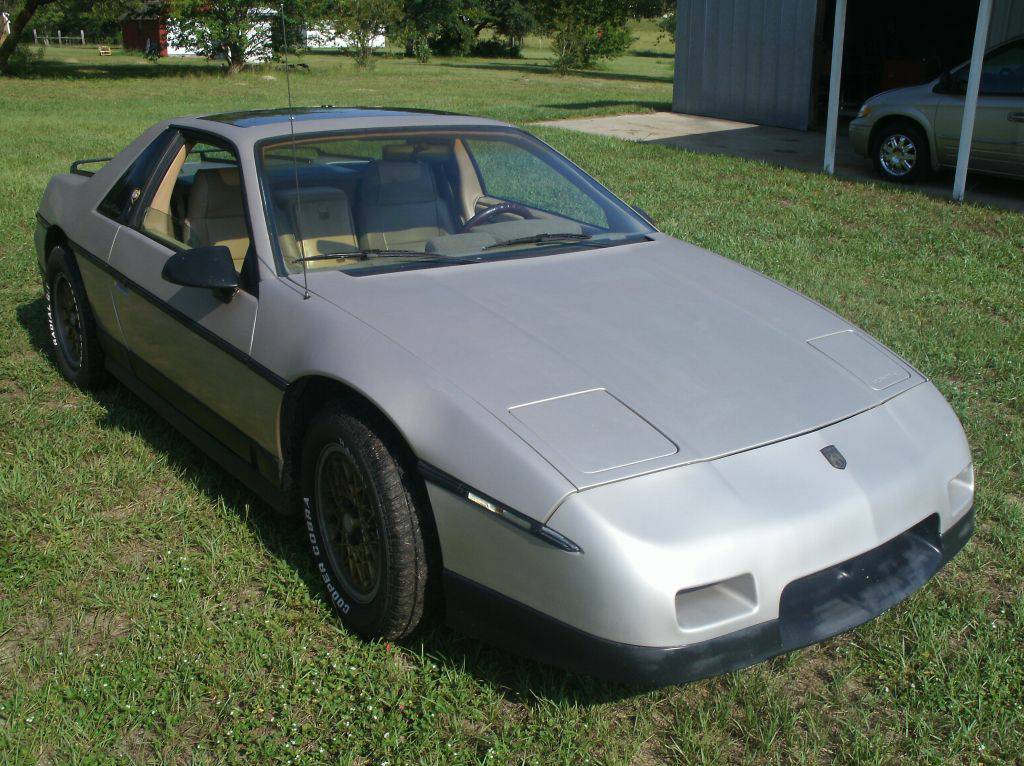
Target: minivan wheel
(367,525)
(901,153)
(73,335)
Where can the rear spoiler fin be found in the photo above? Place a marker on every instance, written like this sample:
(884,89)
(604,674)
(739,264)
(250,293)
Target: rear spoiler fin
(76,166)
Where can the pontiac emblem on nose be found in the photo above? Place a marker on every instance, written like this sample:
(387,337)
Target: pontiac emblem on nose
(834,457)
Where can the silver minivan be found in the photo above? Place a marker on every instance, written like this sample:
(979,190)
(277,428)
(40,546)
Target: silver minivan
(909,132)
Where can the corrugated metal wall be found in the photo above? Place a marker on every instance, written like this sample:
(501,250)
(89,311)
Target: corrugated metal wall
(1007,21)
(748,60)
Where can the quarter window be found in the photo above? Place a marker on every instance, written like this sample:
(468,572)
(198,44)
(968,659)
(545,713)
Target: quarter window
(122,197)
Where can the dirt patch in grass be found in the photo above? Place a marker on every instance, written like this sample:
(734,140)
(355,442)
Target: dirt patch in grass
(90,633)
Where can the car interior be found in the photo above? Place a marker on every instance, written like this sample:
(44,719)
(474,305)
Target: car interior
(200,202)
(409,195)
(327,198)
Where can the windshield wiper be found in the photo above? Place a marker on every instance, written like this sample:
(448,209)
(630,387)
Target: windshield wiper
(537,239)
(381,253)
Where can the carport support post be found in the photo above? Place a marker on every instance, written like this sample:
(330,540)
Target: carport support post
(832,124)
(963,154)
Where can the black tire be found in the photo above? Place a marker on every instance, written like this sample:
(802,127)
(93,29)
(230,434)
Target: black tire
(389,514)
(73,336)
(901,154)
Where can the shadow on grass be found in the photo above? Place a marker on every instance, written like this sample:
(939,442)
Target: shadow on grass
(652,54)
(122,69)
(541,69)
(654,106)
(516,678)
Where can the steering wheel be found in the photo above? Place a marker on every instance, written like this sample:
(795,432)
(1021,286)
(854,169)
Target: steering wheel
(484,216)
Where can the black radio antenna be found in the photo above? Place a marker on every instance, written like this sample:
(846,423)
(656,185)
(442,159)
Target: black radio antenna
(295,162)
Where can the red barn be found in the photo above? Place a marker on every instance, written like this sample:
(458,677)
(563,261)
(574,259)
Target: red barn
(145,31)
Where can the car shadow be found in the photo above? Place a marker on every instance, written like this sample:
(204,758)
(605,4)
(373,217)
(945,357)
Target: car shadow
(518,679)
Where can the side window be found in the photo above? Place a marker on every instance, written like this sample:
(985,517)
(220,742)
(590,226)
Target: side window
(1002,73)
(199,201)
(120,199)
(513,173)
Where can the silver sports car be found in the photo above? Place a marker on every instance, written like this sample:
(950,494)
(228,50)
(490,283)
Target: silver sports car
(494,391)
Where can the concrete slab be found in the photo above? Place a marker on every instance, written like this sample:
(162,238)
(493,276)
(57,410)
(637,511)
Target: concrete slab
(778,146)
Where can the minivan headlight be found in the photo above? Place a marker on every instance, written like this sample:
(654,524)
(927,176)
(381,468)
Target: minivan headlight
(864,111)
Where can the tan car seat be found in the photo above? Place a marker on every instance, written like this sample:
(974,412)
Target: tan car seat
(216,215)
(399,206)
(322,216)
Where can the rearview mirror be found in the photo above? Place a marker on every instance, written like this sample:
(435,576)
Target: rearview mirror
(210,267)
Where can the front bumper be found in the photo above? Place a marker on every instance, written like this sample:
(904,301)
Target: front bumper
(860,136)
(812,608)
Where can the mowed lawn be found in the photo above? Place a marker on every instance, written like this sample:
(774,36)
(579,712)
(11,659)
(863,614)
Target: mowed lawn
(152,610)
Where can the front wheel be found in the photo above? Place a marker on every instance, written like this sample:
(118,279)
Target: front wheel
(901,153)
(367,525)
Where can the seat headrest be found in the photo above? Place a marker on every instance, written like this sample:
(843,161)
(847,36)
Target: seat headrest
(310,194)
(390,182)
(216,193)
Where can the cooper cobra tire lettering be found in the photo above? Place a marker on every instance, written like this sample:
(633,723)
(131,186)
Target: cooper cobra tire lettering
(355,464)
(325,575)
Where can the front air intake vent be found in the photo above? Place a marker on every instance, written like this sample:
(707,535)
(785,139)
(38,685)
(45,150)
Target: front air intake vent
(710,605)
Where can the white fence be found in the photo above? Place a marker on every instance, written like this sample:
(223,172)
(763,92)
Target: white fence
(66,38)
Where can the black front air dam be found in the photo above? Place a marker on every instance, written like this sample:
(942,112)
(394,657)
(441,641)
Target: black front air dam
(811,609)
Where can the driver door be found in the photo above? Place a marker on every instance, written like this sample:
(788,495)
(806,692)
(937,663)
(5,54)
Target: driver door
(188,344)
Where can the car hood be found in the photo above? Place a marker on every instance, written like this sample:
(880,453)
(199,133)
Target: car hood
(909,94)
(619,361)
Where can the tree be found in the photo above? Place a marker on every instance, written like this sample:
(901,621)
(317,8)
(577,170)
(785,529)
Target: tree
(100,12)
(446,26)
(237,30)
(512,20)
(19,21)
(362,21)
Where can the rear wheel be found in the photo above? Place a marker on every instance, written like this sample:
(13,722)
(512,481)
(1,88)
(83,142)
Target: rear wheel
(367,524)
(901,153)
(73,335)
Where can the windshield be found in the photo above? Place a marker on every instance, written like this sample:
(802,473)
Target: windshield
(366,202)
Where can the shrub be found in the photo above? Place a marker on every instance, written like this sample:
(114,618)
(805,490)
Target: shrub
(23,59)
(578,45)
(583,31)
(495,48)
(421,49)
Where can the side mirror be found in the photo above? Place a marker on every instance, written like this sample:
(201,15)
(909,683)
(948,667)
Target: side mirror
(945,84)
(210,267)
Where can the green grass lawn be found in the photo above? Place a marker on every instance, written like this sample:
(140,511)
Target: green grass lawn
(151,609)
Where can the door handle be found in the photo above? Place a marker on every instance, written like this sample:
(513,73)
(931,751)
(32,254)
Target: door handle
(1016,117)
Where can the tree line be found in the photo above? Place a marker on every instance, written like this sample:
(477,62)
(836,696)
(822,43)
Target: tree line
(581,31)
